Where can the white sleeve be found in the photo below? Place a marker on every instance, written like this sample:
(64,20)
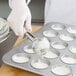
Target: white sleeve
(63,11)
(47,10)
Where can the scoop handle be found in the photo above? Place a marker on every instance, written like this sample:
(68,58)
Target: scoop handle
(30,36)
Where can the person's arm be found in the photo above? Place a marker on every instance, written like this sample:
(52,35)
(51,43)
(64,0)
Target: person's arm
(19,16)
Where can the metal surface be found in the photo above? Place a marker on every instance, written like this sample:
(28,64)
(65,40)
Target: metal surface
(7,58)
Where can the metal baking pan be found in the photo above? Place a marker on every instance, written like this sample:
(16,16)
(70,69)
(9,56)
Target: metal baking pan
(62,55)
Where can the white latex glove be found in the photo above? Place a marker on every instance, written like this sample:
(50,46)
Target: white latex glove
(19,17)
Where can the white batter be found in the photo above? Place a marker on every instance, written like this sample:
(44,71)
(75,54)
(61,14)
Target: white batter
(50,55)
(57,27)
(40,45)
(71,30)
(61,70)
(68,60)
(72,49)
(20,59)
(28,50)
(57,46)
(40,65)
(49,33)
(66,38)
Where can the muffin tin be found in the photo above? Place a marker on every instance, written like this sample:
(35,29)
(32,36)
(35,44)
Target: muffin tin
(69,59)
(60,60)
(28,49)
(40,64)
(57,69)
(71,30)
(50,33)
(20,58)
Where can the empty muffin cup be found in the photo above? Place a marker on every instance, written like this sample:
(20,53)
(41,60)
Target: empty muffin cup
(58,26)
(61,70)
(29,49)
(50,33)
(20,58)
(68,59)
(72,49)
(66,37)
(59,45)
(52,54)
(40,64)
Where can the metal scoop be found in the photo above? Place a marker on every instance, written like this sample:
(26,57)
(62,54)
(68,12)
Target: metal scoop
(30,36)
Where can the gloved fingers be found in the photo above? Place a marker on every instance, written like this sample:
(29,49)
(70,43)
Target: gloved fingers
(24,29)
(19,28)
(17,20)
(13,27)
(29,29)
(20,31)
(28,25)
(16,26)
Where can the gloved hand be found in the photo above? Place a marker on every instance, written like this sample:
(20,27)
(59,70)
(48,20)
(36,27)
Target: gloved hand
(20,16)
